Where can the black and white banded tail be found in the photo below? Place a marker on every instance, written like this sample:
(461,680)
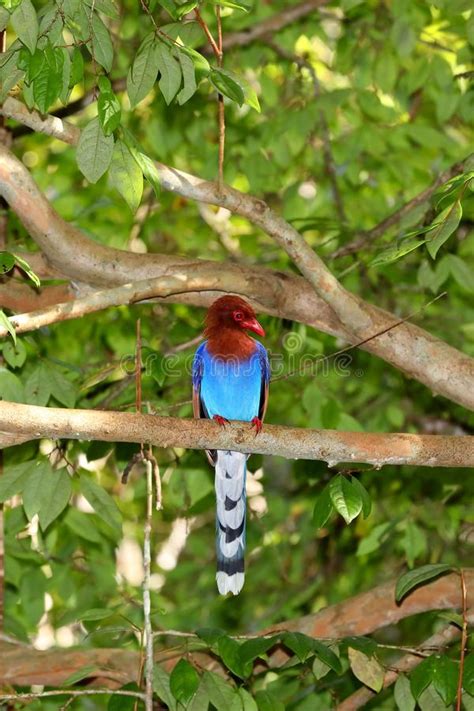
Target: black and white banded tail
(231,470)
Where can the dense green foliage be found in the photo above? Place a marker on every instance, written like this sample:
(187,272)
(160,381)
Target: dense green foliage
(392,87)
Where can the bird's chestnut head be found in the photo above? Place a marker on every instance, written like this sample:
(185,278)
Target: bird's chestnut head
(231,312)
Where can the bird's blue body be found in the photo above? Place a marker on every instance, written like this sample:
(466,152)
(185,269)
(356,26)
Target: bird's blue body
(231,388)
(234,387)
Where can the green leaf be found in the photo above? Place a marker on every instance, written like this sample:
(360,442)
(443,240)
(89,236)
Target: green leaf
(14,479)
(367,669)
(247,701)
(430,700)
(246,7)
(161,687)
(4,18)
(220,693)
(83,525)
(323,508)
(7,262)
(299,643)
(227,84)
(402,694)
(96,613)
(327,656)
(77,68)
(14,354)
(200,700)
(419,576)
(364,495)
(94,151)
(102,503)
(7,324)
(80,674)
(108,7)
(229,651)
(169,6)
(184,7)
(468,676)
(148,166)
(373,541)
(100,46)
(266,701)
(66,77)
(345,497)
(110,113)
(46,493)
(189,78)
(144,70)
(49,82)
(320,669)
(25,23)
(257,647)
(443,227)
(23,264)
(38,387)
(413,542)
(11,388)
(60,387)
(170,72)
(421,676)
(126,175)
(395,252)
(445,674)
(184,681)
(210,635)
(461,272)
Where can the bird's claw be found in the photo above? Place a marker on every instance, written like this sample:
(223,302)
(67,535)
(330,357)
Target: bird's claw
(222,421)
(258,424)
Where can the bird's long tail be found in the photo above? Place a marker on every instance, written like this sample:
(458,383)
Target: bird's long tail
(231,470)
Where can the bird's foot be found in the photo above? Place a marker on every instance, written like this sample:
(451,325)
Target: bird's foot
(258,424)
(222,421)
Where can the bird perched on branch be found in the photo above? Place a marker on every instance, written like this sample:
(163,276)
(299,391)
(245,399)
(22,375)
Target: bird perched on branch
(231,373)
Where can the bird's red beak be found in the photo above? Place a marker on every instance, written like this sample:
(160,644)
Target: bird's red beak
(252,324)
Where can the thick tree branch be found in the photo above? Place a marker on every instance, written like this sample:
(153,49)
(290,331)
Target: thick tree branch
(442,368)
(359,615)
(291,442)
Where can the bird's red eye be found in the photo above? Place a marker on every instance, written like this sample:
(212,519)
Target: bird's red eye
(238,315)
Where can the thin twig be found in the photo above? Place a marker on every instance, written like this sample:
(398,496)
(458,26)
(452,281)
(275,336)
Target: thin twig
(146,588)
(463,640)
(395,217)
(218,52)
(207,32)
(322,359)
(220,107)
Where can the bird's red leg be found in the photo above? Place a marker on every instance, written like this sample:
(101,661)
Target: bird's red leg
(258,424)
(221,420)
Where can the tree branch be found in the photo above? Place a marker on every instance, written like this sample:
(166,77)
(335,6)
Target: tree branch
(273,24)
(395,217)
(410,349)
(328,445)
(359,615)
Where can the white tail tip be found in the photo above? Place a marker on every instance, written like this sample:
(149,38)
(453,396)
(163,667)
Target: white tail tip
(230,583)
